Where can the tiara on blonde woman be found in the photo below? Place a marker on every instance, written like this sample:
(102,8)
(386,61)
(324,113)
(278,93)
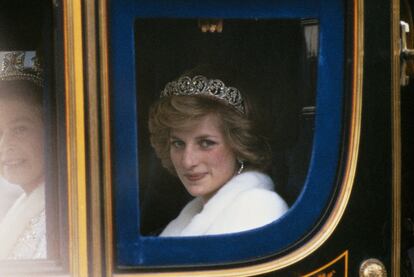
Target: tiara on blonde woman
(21,65)
(200,85)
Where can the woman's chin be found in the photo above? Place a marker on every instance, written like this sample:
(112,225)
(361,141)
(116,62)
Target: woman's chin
(16,180)
(195,190)
(194,193)
(199,191)
(27,183)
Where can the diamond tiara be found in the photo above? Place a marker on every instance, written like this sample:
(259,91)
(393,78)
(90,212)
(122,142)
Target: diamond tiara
(200,85)
(21,65)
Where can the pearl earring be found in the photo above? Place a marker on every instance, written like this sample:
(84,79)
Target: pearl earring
(241,166)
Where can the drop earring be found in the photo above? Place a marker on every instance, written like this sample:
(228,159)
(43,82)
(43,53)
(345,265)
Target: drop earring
(241,166)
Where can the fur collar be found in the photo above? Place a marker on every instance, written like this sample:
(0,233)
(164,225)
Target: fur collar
(196,218)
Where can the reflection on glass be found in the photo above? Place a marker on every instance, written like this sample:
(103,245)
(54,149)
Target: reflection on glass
(206,133)
(23,227)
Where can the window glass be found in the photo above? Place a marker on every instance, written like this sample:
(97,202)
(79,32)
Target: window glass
(31,202)
(275,63)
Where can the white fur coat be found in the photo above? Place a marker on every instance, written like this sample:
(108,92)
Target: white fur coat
(245,202)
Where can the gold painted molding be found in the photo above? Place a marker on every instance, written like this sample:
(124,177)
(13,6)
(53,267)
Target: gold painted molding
(106,136)
(319,271)
(345,189)
(93,137)
(75,128)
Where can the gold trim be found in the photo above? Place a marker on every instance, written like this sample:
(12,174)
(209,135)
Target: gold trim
(106,136)
(327,229)
(75,118)
(343,255)
(396,138)
(95,221)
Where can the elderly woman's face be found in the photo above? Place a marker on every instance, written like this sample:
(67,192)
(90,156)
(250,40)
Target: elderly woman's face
(203,160)
(21,143)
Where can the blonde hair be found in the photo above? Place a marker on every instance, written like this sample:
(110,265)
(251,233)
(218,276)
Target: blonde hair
(241,131)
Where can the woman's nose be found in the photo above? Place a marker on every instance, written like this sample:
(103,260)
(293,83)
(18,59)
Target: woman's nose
(189,158)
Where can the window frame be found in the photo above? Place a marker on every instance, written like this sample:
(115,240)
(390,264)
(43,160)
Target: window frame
(341,178)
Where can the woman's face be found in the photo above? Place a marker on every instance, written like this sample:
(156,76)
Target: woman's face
(203,160)
(21,144)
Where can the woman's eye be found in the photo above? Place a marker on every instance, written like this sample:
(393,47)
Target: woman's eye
(20,130)
(177,143)
(206,143)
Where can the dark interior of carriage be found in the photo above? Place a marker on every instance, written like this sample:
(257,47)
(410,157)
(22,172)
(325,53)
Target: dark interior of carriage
(278,57)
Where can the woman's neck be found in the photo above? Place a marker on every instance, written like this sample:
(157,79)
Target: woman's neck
(29,188)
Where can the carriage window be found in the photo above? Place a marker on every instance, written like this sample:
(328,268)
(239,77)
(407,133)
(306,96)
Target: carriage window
(226,129)
(272,63)
(31,201)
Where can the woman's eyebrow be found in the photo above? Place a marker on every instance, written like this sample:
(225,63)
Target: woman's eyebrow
(22,119)
(174,137)
(206,137)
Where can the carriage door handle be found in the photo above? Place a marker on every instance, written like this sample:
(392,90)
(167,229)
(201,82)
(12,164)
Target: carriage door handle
(406,54)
